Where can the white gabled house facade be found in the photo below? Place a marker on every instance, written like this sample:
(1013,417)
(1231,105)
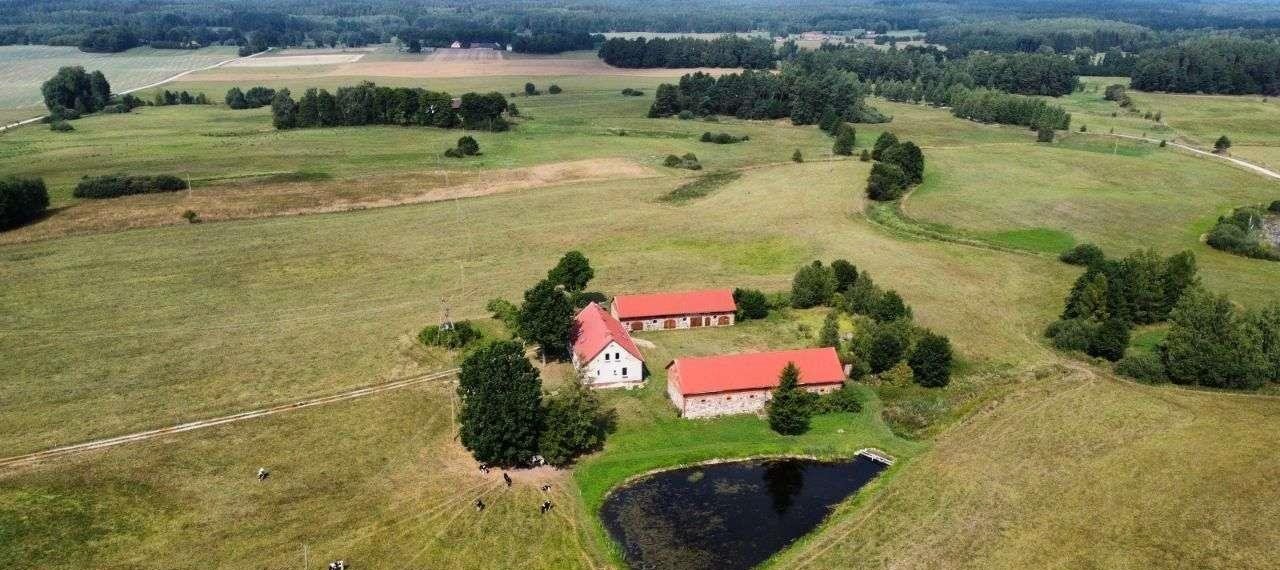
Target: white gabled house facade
(604,352)
(612,366)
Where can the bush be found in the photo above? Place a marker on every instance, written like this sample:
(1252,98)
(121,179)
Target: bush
(453,153)
(685,115)
(752,304)
(61,127)
(889,307)
(1143,366)
(632,92)
(846,137)
(21,200)
(461,334)
(723,138)
(531,89)
(1110,340)
(191,217)
(1085,254)
(672,161)
(843,400)
(1044,135)
(1274,207)
(467,146)
(513,110)
(554,89)
(797,157)
(865,156)
(115,186)
(1071,334)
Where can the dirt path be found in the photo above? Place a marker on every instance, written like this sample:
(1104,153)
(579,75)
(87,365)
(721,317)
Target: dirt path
(136,89)
(1236,161)
(68,450)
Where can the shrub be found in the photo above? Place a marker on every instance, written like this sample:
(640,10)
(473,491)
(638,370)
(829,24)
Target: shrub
(453,153)
(468,146)
(1071,334)
(930,361)
(752,304)
(1274,207)
(671,161)
(531,89)
(889,307)
(61,127)
(459,335)
(1044,135)
(21,200)
(1110,340)
(632,92)
(846,137)
(797,157)
(843,400)
(191,217)
(512,110)
(1085,254)
(685,115)
(865,156)
(688,161)
(1143,366)
(113,186)
(554,89)
(1222,144)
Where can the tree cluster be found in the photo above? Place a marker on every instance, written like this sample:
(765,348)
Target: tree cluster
(725,51)
(723,138)
(467,146)
(885,334)
(72,92)
(545,317)
(114,186)
(109,40)
(900,165)
(22,200)
(453,336)
(1242,233)
(803,95)
(166,97)
(369,104)
(254,98)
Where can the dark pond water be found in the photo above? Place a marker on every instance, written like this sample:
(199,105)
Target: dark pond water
(728,515)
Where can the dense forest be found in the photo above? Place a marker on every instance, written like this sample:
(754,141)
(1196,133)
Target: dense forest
(1222,64)
(725,51)
(805,95)
(547,25)
(369,104)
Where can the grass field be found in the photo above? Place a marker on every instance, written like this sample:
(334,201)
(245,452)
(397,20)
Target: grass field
(1035,461)
(24,68)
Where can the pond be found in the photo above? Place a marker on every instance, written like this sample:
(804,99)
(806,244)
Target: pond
(728,515)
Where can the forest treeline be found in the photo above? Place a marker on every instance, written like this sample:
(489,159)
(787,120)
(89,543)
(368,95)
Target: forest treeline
(543,25)
(805,95)
(725,51)
(1222,64)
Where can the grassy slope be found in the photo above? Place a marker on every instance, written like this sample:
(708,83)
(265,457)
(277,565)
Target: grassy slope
(1076,472)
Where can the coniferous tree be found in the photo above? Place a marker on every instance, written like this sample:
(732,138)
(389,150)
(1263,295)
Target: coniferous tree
(887,348)
(666,102)
(235,98)
(752,304)
(829,335)
(812,286)
(284,112)
(790,407)
(845,273)
(883,143)
(845,138)
(886,182)
(501,415)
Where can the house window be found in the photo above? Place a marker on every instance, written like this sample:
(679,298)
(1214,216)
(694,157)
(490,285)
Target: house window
(606,357)
(624,370)
(617,356)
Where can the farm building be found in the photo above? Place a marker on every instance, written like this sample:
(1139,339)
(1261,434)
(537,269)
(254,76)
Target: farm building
(604,351)
(742,383)
(682,310)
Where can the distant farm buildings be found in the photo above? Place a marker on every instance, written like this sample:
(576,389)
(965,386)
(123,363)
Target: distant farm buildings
(667,311)
(742,383)
(604,351)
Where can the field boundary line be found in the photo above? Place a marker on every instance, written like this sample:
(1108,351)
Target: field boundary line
(74,449)
(179,75)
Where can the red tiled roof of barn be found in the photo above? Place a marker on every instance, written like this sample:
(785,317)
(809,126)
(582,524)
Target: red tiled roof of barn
(652,305)
(755,371)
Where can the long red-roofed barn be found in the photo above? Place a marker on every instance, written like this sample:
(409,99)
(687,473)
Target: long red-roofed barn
(742,383)
(604,351)
(679,310)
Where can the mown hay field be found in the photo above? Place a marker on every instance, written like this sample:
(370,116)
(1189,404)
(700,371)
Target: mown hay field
(24,68)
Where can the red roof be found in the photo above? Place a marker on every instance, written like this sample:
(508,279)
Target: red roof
(671,304)
(756,370)
(595,329)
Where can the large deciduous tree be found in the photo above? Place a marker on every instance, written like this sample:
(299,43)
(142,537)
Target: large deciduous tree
(930,360)
(501,416)
(573,272)
(546,319)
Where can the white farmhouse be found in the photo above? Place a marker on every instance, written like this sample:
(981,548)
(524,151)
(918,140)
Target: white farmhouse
(604,351)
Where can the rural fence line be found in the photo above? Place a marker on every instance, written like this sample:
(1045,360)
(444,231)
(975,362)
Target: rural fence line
(63,451)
